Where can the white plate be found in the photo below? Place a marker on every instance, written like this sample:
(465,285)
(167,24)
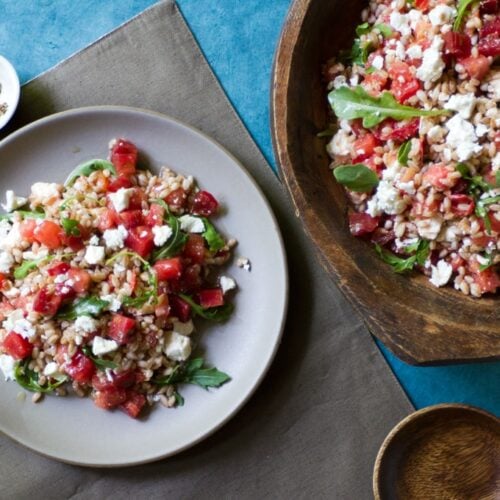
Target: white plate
(74,430)
(10,90)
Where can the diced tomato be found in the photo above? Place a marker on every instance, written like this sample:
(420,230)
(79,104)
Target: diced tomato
(382,236)
(3,278)
(49,233)
(401,131)
(121,380)
(119,183)
(422,5)
(168,269)
(108,220)
(134,404)
(425,209)
(204,204)
(74,242)
(140,240)
(437,176)
(457,262)
(162,310)
(58,268)
(494,222)
(195,248)
(108,399)
(462,205)
(489,46)
(121,328)
(364,147)
(457,45)
(375,82)
(180,308)
(124,157)
(17,346)
(137,198)
(80,368)
(476,67)
(488,280)
(490,28)
(191,279)
(177,199)
(81,279)
(155,216)
(46,302)
(65,292)
(361,223)
(211,297)
(131,218)
(404,84)
(27,230)
(489,7)
(357,127)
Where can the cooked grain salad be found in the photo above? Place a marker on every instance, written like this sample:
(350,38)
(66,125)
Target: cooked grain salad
(101,279)
(416,137)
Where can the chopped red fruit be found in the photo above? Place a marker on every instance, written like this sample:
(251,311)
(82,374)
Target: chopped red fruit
(457,262)
(191,280)
(131,218)
(49,233)
(27,230)
(382,236)
(177,199)
(17,346)
(65,292)
(124,157)
(3,278)
(422,5)
(110,398)
(195,248)
(121,328)
(490,28)
(80,368)
(375,82)
(364,147)
(137,197)
(204,204)
(122,380)
(488,280)
(494,222)
(58,268)
(80,279)
(404,84)
(489,7)
(140,240)
(162,309)
(211,297)
(489,46)
(168,269)
(119,183)
(399,131)
(361,224)
(462,205)
(457,45)
(134,404)
(155,216)
(180,308)
(438,176)
(46,302)
(476,67)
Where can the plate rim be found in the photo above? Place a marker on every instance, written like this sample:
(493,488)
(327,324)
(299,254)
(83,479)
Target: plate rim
(282,259)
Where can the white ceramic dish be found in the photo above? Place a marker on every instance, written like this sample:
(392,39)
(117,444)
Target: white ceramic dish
(72,429)
(10,90)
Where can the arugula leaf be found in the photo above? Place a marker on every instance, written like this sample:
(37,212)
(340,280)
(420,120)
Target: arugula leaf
(363,29)
(179,400)
(85,169)
(100,363)
(490,257)
(400,265)
(217,314)
(70,227)
(38,213)
(386,31)
(138,301)
(88,306)
(176,242)
(357,177)
(212,237)
(193,372)
(29,265)
(28,379)
(371,70)
(404,153)
(481,210)
(358,54)
(462,8)
(356,103)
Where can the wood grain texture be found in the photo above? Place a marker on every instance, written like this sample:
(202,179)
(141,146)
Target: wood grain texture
(419,323)
(440,453)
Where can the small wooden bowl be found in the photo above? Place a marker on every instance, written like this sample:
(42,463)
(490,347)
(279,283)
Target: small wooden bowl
(418,322)
(447,451)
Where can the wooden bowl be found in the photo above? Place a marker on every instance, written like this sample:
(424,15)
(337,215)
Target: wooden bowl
(418,322)
(440,452)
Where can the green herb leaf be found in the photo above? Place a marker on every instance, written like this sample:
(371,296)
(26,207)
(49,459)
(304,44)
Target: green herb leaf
(497,178)
(401,265)
(462,9)
(490,257)
(71,227)
(363,29)
(371,70)
(85,169)
(176,242)
(39,213)
(179,400)
(217,314)
(351,104)
(29,265)
(357,177)
(100,363)
(212,237)
(88,306)
(404,153)
(386,31)
(29,379)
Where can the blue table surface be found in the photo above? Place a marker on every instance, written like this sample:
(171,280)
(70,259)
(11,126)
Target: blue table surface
(238,39)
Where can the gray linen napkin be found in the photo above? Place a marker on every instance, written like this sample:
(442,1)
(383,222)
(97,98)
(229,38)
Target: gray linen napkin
(314,426)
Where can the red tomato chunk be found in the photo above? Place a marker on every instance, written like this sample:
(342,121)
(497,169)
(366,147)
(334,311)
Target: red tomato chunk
(58,268)
(124,157)
(457,45)
(462,205)
(204,204)
(49,233)
(17,346)
(110,398)
(121,328)
(180,308)
(168,269)
(195,248)
(80,368)
(212,297)
(361,224)
(46,302)
(134,404)
(155,216)
(140,240)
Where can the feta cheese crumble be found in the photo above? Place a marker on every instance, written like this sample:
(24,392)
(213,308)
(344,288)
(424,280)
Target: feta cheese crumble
(121,199)
(162,234)
(463,104)
(432,64)
(244,263)
(114,302)
(177,347)
(227,283)
(8,366)
(400,22)
(462,137)
(45,192)
(341,144)
(85,324)
(102,346)
(94,255)
(114,239)
(6,262)
(192,224)
(12,201)
(441,14)
(441,273)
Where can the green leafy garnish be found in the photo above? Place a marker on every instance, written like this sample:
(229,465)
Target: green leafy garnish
(371,70)
(358,54)
(400,265)
(357,177)
(351,104)
(29,265)
(100,363)
(497,178)
(38,213)
(212,237)
(193,372)
(71,227)
(217,314)
(363,29)
(385,30)
(462,9)
(176,242)
(490,258)
(29,379)
(88,306)
(481,209)
(404,153)
(85,169)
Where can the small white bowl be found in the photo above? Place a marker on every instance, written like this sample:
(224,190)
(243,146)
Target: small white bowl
(10,90)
